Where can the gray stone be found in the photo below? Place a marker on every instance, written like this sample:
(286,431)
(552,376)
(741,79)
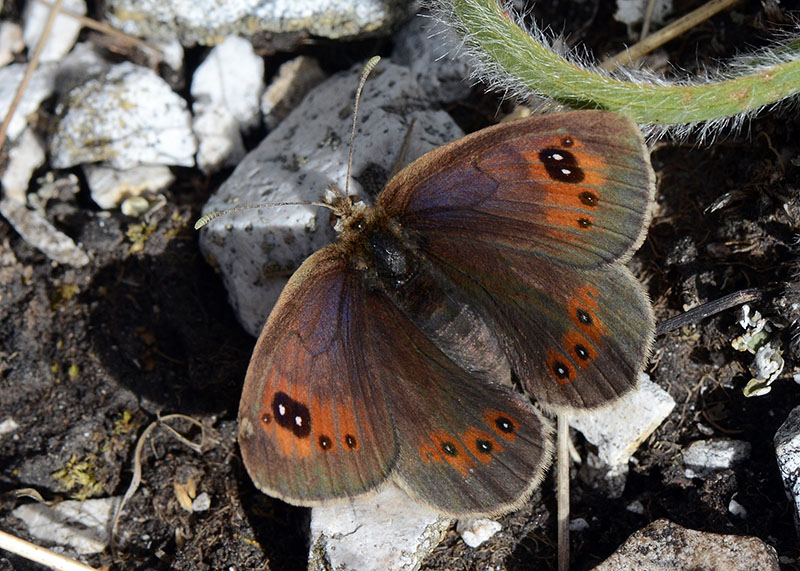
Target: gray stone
(664,545)
(257,250)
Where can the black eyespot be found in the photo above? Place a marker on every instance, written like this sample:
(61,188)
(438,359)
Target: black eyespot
(266,418)
(561,165)
(581,352)
(584,317)
(588,198)
(291,414)
(484,446)
(560,369)
(325,443)
(350,441)
(567,142)
(584,223)
(504,424)
(449,448)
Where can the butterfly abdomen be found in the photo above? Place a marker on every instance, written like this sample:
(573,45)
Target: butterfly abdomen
(431,302)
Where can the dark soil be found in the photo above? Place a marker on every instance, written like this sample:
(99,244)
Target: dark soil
(89,357)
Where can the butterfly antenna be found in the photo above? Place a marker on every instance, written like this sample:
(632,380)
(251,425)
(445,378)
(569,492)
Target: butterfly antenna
(206,218)
(373,61)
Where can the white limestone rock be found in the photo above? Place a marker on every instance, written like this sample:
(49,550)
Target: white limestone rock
(787,451)
(10,41)
(39,89)
(80,525)
(619,429)
(63,34)
(384,532)
(37,231)
(109,187)
(128,117)
(704,456)
(207,21)
(25,156)
(231,77)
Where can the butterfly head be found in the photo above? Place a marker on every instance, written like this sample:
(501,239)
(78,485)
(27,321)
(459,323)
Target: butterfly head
(349,214)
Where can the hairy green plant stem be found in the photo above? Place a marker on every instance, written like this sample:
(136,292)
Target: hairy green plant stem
(488,29)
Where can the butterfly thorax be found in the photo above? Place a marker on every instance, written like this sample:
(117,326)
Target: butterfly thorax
(391,263)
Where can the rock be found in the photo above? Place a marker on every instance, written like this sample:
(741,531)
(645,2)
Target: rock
(291,83)
(787,451)
(80,525)
(257,250)
(129,117)
(208,21)
(430,52)
(387,531)
(39,89)
(633,11)
(25,156)
(619,429)
(704,456)
(219,139)
(7,426)
(42,235)
(475,532)
(666,545)
(63,34)
(232,77)
(226,89)
(10,42)
(109,187)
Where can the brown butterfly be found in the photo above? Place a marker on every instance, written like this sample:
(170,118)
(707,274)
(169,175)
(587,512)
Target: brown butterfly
(391,353)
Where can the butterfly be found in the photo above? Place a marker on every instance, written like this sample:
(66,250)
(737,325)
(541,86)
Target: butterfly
(495,260)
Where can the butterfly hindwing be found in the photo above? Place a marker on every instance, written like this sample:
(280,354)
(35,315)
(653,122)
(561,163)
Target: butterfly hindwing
(467,446)
(575,337)
(314,424)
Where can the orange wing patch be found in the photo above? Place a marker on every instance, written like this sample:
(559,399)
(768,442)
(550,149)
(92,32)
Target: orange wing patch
(442,448)
(481,445)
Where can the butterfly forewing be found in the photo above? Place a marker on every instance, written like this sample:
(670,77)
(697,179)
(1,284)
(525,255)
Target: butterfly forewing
(571,188)
(314,423)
